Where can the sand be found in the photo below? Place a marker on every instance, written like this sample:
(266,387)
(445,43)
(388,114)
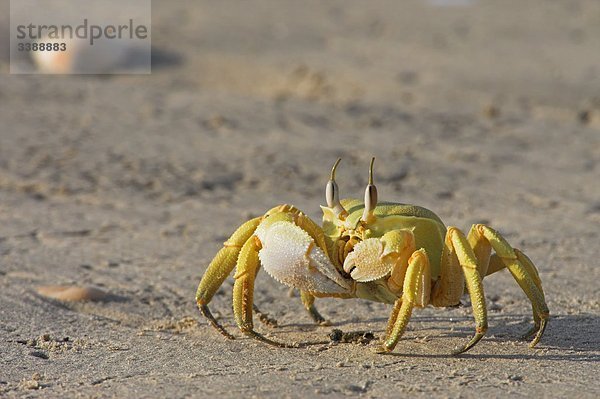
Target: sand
(481,111)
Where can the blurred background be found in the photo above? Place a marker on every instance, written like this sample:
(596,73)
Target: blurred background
(265,95)
(482,111)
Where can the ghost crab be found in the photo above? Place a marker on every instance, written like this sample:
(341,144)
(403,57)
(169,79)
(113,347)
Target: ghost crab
(388,252)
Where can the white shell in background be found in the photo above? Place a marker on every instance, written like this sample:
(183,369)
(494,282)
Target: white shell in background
(105,56)
(72,293)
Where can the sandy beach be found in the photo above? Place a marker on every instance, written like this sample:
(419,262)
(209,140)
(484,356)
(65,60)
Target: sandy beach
(484,112)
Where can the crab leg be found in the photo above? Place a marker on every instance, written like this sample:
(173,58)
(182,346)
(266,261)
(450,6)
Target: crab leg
(459,247)
(393,317)
(451,284)
(523,271)
(220,267)
(413,287)
(308,301)
(243,291)
(482,250)
(410,276)
(538,319)
(402,244)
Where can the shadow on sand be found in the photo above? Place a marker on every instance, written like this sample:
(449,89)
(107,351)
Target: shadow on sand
(568,337)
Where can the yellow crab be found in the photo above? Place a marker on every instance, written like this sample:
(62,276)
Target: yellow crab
(388,252)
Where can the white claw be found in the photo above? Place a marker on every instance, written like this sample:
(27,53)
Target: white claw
(290,256)
(368,261)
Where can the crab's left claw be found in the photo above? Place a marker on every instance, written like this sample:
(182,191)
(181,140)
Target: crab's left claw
(290,256)
(375,258)
(367,261)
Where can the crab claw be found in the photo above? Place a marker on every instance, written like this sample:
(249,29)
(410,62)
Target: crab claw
(290,256)
(369,260)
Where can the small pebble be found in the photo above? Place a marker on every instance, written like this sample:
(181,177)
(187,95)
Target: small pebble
(491,111)
(584,116)
(494,307)
(31,384)
(336,335)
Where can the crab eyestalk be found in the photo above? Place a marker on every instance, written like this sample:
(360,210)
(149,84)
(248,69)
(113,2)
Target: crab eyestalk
(332,194)
(370,197)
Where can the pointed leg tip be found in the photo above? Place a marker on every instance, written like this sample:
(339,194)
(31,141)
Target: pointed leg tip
(535,340)
(317,317)
(213,322)
(459,351)
(383,349)
(223,331)
(531,332)
(267,320)
(480,333)
(259,337)
(539,334)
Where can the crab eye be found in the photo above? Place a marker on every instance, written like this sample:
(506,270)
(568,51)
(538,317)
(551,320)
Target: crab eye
(370,196)
(332,193)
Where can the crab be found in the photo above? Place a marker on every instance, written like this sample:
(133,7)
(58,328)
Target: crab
(386,252)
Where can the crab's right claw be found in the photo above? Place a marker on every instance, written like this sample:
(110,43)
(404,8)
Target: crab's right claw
(290,256)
